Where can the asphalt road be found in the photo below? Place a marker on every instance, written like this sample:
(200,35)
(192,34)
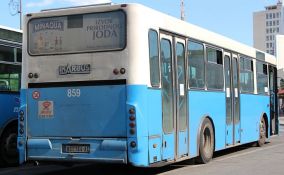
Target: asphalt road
(242,160)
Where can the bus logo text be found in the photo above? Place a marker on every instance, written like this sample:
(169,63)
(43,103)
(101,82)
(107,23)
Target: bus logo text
(48,25)
(74,69)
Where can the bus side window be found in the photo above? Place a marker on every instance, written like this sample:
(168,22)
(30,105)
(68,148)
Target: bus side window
(196,65)
(154,58)
(246,75)
(261,77)
(214,76)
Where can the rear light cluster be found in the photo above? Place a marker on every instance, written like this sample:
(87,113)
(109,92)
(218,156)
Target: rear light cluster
(132,125)
(117,71)
(21,123)
(33,75)
(132,121)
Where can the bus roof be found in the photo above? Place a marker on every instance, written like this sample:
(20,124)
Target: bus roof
(166,22)
(11,29)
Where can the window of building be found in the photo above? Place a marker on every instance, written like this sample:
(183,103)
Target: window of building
(10,54)
(196,65)
(10,76)
(214,76)
(154,58)
(261,77)
(246,75)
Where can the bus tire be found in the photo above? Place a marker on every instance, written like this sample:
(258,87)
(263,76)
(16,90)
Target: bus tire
(8,146)
(206,142)
(262,132)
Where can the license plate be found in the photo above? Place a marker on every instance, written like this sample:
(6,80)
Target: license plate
(76,148)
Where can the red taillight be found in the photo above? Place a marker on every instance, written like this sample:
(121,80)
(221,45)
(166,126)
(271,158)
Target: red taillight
(132,121)
(132,125)
(132,118)
(131,111)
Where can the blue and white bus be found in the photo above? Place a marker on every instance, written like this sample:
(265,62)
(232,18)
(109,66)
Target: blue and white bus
(123,83)
(10,80)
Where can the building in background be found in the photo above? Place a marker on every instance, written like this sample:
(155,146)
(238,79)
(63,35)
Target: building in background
(266,25)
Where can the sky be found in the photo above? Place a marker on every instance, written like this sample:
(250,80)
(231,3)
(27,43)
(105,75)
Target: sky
(231,18)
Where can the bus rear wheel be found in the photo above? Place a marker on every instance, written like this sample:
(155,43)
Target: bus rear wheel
(262,132)
(206,142)
(8,147)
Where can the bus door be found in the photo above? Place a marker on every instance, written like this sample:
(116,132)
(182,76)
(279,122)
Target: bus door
(231,68)
(174,97)
(273,100)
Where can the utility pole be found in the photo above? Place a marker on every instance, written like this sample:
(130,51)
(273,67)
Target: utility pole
(16,8)
(182,12)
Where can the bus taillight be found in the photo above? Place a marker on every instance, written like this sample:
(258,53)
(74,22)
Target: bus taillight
(132,111)
(22,118)
(132,119)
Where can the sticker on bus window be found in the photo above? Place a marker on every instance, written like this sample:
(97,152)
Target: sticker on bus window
(181,89)
(45,109)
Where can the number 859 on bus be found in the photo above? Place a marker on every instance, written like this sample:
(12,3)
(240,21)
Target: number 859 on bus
(71,93)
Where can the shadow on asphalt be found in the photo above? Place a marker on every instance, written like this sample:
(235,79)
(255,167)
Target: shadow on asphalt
(106,169)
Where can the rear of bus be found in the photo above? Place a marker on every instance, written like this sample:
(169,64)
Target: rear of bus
(76,104)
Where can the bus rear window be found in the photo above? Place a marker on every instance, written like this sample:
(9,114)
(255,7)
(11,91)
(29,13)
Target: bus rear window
(77,33)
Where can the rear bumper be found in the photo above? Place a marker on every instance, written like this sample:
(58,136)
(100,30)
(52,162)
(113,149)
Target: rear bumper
(101,150)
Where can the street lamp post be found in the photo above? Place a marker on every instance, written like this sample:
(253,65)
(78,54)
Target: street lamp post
(16,8)
(182,13)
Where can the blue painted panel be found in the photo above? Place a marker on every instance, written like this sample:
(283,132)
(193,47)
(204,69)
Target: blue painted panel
(237,133)
(155,145)
(99,111)
(202,104)
(22,137)
(251,109)
(154,105)
(9,105)
(168,152)
(137,97)
(182,143)
(97,153)
(229,134)
(138,156)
